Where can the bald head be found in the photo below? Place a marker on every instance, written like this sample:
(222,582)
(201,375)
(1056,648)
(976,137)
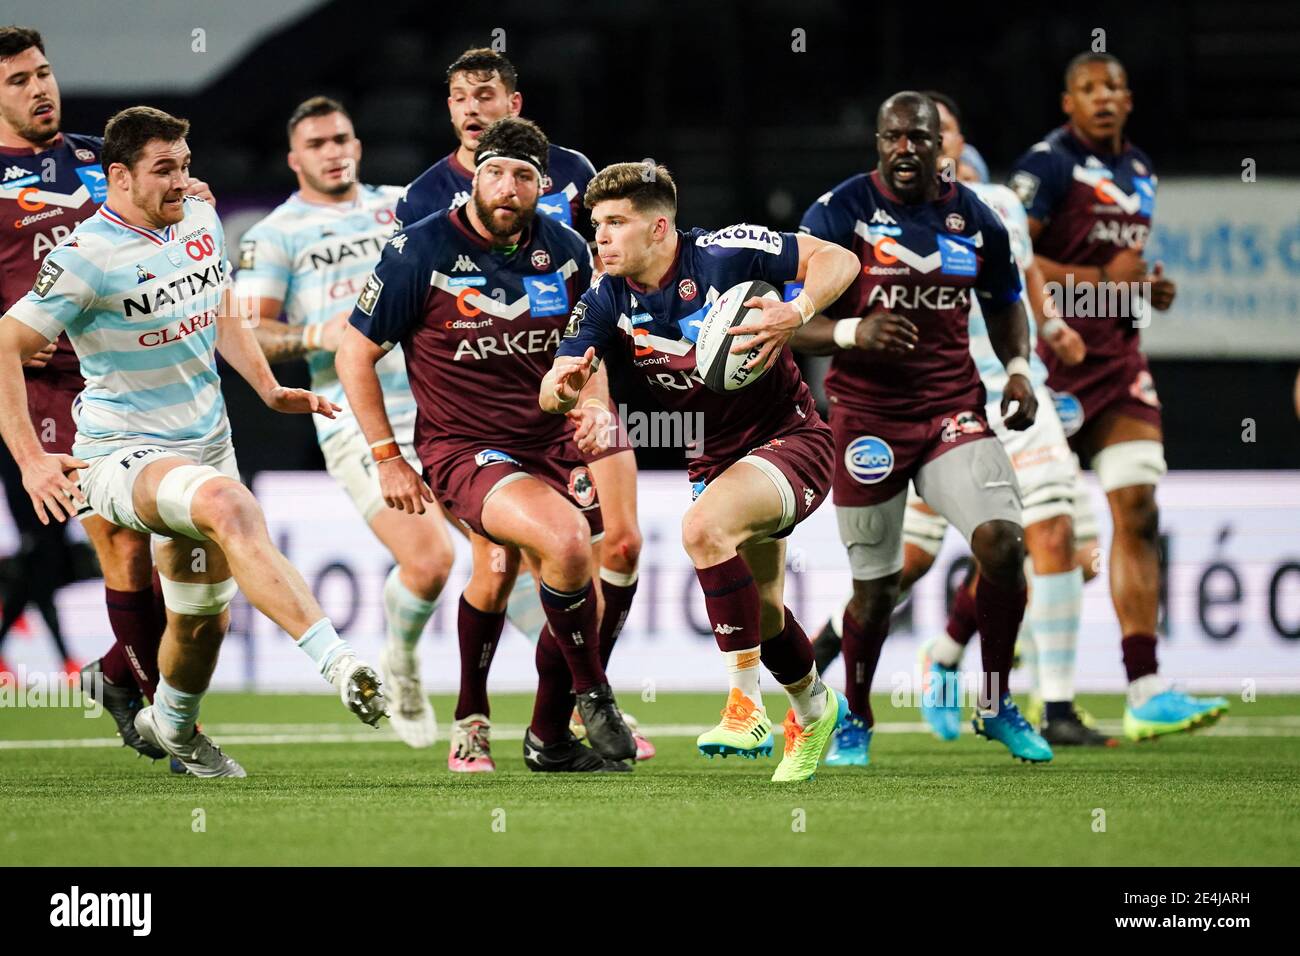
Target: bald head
(916,108)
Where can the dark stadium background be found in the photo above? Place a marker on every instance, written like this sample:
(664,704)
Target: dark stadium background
(755,132)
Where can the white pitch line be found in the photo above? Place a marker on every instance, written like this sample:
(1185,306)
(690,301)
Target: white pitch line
(323,733)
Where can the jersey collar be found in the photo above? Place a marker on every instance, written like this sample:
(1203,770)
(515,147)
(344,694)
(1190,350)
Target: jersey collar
(32,150)
(1089,149)
(460,219)
(668,276)
(157,238)
(946,191)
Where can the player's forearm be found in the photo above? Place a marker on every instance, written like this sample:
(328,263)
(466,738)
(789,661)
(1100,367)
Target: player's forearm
(15,423)
(548,400)
(1009,332)
(355,365)
(815,338)
(1053,271)
(280,342)
(1035,289)
(238,346)
(596,389)
(831,270)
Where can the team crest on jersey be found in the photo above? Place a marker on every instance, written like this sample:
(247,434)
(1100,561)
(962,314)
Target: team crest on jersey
(541,260)
(869,460)
(370,294)
(687,289)
(248,254)
(963,423)
(1139,167)
(45,279)
(141,275)
(546,184)
(581,488)
(955,222)
(85,155)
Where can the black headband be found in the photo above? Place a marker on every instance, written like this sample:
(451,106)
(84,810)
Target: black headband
(485,155)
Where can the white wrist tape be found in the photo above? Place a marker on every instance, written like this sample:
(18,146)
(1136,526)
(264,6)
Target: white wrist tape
(1018,366)
(1053,326)
(803,304)
(846,333)
(311,336)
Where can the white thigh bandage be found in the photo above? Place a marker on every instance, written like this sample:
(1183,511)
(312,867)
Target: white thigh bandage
(782,483)
(923,529)
(198,600)
(176,493)
(1129,463)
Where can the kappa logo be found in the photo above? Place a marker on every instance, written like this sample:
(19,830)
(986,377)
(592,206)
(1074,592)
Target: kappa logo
(880,217)
(459,200)
(16,172)
(577,638)
(398,242)
(464,264)
(808,496)
(725,629)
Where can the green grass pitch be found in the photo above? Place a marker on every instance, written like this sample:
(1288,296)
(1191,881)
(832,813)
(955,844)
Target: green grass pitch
(323,789)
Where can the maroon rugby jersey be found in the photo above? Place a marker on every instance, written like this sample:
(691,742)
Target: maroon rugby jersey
(923,261)
(43,195)
(478,325)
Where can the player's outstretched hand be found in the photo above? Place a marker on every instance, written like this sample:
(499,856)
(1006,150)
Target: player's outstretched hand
(592,427)
(1019,390)
(41,358)
(885,332)
(771,331)
(1163,290)
(299,401)
(401,487)
(199,188)
(53,488)
(571,375)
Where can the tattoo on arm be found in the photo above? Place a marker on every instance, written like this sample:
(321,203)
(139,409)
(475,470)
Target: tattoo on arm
(280,342)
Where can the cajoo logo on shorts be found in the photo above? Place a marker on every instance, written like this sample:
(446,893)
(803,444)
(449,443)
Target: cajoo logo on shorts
(1069,411)
(869,459)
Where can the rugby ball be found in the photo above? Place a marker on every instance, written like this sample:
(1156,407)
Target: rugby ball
(722,371)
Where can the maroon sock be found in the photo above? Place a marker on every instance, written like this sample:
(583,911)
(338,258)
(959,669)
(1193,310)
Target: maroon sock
(789,655)
(732,603)
(554,702)
(962,622)
(999,611)
(572,618)
(116,668)
(862,644)
(479,633)
(1139,655)
(134,620)
(618,601)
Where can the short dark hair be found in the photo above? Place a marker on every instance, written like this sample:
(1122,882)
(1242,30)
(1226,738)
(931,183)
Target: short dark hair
(1083,59)
(481,63)
(315,106)
(129,131)
(646,186)
(514,135)
(948,103)
(13,40)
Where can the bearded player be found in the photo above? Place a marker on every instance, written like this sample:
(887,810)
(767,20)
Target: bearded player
(509,473)
(51,182)
(483,88)
(926,246)
(310,258)
(1090,196)
(763,464)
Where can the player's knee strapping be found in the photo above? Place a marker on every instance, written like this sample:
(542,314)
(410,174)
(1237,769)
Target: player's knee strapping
(1129,463)
(176,496)
(198,599)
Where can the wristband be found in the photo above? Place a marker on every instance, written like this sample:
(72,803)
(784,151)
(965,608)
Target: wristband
(846,333)
(803,304)
(385,450)
(311,336)
(1053,326)
(597,402)
(1018,366)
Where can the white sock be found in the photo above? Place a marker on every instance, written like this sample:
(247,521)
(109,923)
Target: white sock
(405,613)
(524,607)
(946,651)
(1029,661)
(323,645)
(1144,688)
(1055,605)
(809,703)
(177,710)
(743,671)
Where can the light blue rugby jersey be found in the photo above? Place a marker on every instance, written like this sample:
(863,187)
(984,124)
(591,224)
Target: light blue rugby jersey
(1007,205)
(315,258)
(140,308)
